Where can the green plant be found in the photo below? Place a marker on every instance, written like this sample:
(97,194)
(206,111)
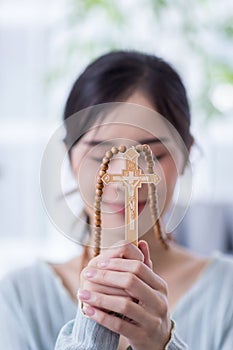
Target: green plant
(199,33)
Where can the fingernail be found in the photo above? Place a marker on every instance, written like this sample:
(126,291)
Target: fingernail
(84,294)
(90,273)
(103,263)
(89,311)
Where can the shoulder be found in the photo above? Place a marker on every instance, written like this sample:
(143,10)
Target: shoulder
(25,272)
(218,275)
(37,285)
(207,308)
(222,266)
(34,305)
(213,289)
(23,284)
(219,283)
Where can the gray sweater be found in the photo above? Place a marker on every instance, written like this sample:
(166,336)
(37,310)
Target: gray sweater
(36,312)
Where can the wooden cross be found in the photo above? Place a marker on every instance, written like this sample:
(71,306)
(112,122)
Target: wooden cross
(132,178)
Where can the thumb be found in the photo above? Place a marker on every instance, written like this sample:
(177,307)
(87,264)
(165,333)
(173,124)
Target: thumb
(143,246)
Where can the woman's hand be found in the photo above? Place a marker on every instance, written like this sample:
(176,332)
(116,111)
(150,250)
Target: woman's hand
(122,280)
(122,249)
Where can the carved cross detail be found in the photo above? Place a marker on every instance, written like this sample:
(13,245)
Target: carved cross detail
(132,178)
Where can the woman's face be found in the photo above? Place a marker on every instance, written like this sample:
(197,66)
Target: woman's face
(86,157)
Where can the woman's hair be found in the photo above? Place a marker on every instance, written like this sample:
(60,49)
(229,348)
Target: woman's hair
(115,76)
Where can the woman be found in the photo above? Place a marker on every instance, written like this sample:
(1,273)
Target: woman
(150,285)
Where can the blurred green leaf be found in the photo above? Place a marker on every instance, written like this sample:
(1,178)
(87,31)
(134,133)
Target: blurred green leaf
(227,28)
(80,10)
(157,5)
(193,20)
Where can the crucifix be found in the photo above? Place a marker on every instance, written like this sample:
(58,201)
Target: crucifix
(132,179)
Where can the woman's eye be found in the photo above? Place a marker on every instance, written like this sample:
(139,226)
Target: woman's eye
(97,159)
(159,157)
(156,157)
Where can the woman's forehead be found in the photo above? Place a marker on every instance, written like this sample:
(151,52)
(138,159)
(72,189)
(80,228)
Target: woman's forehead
(114,120)
(128,127)
(116,131)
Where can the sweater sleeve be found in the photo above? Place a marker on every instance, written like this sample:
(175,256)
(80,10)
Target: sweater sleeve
(175,342)
(83,333)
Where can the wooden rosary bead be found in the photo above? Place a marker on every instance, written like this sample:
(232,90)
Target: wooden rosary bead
(97,198)
(122,149)
(151,194)
(96,252)
(97,223)
(102,172)
(99,186)
(114,150)
(145,148)
(105,160)
(153,208)
(99,192)
(150,166)
(150,169)
(151,189)
(151,197)
(149,157)
(104,167)
(99,180)
(157,225)
(97,205)
(139,148)
(97,212)
(109,154)
(97,249)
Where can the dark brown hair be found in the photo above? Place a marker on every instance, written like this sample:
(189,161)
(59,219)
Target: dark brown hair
(113,77)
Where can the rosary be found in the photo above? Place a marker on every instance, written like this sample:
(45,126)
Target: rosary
(131,178)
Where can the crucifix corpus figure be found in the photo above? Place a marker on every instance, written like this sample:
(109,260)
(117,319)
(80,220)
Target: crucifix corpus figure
(132,178)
